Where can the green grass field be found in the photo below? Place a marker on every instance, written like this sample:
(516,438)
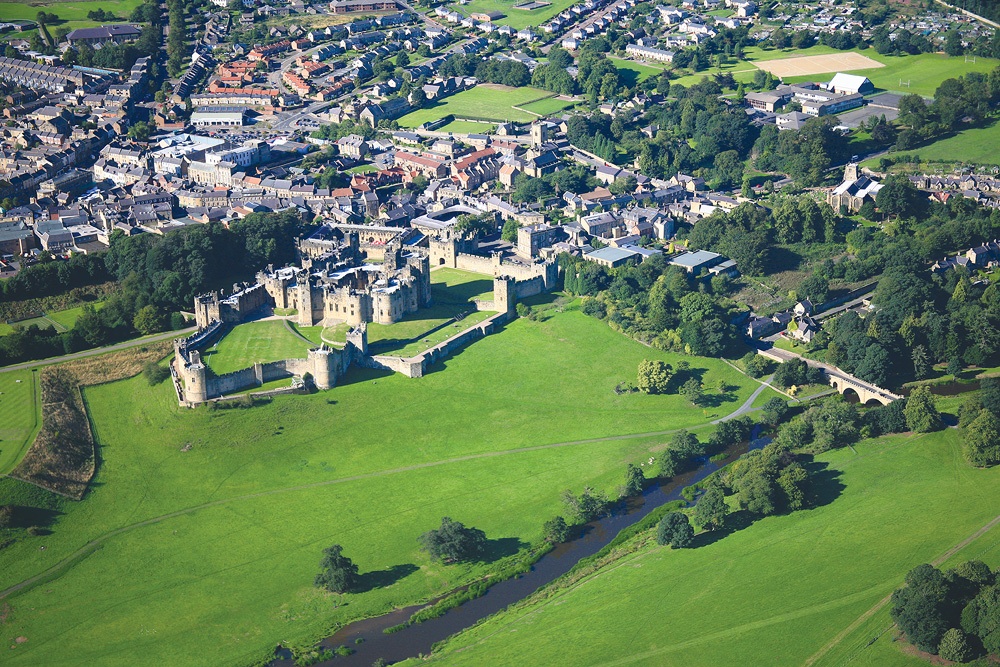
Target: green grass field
(632,72)
(210,525)
(548,106)
(924,72)
(485,101)
(74,12)
(246,344)
(515,18)
(467,127)
(976,146)
(20,416)
(776,592)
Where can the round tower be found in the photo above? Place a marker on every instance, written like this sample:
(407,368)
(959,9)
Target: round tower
(195,377)
(323,362)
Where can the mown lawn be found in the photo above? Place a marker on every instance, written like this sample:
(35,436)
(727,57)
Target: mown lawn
(20,416)
(66,11)
(775,592)
(467,127)
(515,18)
(633,72)
(484,102)
(548,106)
(247,344)
(223,515)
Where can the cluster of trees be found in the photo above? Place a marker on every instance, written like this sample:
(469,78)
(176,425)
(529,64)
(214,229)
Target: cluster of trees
(576,179)
(796,373)
(748,233)
(969,98)
(655,302)
(122,56)
(177,46)
(954,614)
(102,16)
(505,72)
(803,154)
(979,418)
(159,276)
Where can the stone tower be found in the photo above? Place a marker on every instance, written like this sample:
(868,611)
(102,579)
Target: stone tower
(358,337)
(851,172)
(195,377)
(323,361)
(504,297)
(539,134)
(305,299)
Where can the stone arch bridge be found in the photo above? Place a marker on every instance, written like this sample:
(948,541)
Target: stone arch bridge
(838,379)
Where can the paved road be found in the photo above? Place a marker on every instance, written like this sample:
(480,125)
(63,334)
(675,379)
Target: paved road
(833,371)
(168,335)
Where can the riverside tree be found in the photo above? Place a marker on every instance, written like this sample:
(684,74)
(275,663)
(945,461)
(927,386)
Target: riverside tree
(674,529)
(922,415)
(338,574)
(453,542)
(711,510)
(982,440)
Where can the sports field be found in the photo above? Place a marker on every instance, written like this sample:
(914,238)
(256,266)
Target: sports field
(247,344)
(775,593)
(820,64)
(66,11)
(633,72)
(20,416)
(206,527)
(467,127)
(548,106)
(921,74)
(486,101)
(515,18)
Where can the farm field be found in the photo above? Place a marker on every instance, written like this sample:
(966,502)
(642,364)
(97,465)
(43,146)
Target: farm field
(548,106)
(20,416)
(755,596)
(515,18)
(191,506)
(485,101)
(74,12)
(267,340)
(976,146)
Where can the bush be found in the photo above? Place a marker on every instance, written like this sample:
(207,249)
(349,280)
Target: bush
(154,373)
(675,529)
(595,308)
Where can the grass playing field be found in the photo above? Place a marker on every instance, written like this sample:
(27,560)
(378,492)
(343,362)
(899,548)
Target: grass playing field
(484,102)
(515,18)
(775,593)
(924,72)
(20,416)
(548,106)
(246,344)
(632,72)
(467,127)
(210,525)
(73,12)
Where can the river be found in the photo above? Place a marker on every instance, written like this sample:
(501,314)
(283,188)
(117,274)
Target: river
(418,638)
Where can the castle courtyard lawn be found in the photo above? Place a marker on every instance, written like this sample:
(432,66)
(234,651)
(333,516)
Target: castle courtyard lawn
(773,593)
(486,101)
(247,344)
(20,416)
(209,525)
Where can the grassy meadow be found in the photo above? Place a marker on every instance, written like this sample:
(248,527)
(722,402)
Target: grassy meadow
(20,416)
(972,146)
(210,525)
(484,102)
(73,14)
(774,593)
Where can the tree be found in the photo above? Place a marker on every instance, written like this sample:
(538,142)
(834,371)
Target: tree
(624,186)
(953,43)
(555,530)
(711,510)
(955,646)
(917,607)
(692,391)
(674,529)
(148,320)
(154,373)
(510,228)
(338,574)
(922,415)
(775,411)
(982,440)
(402,59)
(634,480)
(140,131)
(654,376)
(453,542)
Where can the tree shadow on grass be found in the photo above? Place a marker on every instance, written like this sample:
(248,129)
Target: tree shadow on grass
(735,521)
(375,579)
(501,547)
(824,484)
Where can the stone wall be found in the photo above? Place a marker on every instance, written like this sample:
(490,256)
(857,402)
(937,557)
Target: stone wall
(475,263)
(530,287)
(230,382)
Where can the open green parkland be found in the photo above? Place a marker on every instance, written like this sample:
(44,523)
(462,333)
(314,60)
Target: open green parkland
(972,146)
(780,592)
(203,530)
(487,101)
(73,12)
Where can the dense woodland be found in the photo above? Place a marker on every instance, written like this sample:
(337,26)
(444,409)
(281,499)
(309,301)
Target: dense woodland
(159,275)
